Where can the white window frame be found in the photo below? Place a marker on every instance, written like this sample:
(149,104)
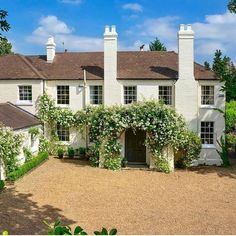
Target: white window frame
(98,96)
(125,96)
(64,104)
(208,145)
(169,96)
(24,102)
(61,128)
(202,95)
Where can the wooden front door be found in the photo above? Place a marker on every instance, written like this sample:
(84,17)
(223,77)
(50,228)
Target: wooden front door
(135,149)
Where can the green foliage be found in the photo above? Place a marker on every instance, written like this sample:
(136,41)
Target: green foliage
(232,6)
(230,116)
(28,154)
(82,150)
(71,152)
(225,70)
(4,25)
(10,144)
(58,229)
(207,65)
(93,155)
(2,184)
(44,145)
(34,132)
(5,47)
(26,167)
(163,125)
(60,152)
(5,232)
(231,139)
(223,152)
(156,45)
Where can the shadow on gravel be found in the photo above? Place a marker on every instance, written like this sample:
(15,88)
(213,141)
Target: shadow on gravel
(20,215)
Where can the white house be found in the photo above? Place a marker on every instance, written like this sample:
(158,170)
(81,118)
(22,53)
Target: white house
(114,77)
(21,122)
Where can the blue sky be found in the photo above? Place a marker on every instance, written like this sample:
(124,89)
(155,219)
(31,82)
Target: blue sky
(80,24)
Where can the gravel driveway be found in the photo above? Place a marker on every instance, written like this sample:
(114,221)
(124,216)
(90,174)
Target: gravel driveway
(201,201)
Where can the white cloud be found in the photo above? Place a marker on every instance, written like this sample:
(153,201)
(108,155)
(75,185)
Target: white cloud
(73,2)
(51,25)
(133,7)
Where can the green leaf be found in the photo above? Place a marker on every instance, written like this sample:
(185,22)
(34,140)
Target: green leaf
(5,232)
(78,230)
(113,232)
(104,231)
(97,233)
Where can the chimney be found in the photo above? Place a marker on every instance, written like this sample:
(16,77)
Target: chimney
(51,49)
(186,52)
(112,92)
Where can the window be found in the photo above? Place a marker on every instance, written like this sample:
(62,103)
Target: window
(130,94)
(207,95)
(63,94)
(63,133)
(25,93)
(165,94)
(207,132)
(95,94)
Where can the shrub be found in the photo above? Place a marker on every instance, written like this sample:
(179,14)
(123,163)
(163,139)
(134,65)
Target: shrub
(223,152)
(82,151)
(28,154)
(58,229)
(34,131)
(2,184)
(27,166)
(230,116)
(44,145)
(112,163)
(60,152)
(71,152)
(93,155)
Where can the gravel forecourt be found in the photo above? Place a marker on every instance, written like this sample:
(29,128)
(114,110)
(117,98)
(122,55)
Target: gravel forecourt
(198,201)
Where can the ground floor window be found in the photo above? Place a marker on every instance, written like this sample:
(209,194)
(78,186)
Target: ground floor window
(207,132)
(63,133)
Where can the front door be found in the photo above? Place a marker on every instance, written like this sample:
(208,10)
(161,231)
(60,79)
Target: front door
(135,149)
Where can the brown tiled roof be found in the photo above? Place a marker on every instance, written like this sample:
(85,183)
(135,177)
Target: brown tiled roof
(15,117)
(131,65)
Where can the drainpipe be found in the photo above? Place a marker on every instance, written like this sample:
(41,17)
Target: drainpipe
(84,105)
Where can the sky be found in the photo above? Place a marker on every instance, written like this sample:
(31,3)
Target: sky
(79,24)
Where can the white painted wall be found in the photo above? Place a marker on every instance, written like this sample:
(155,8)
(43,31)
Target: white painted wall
(9,92)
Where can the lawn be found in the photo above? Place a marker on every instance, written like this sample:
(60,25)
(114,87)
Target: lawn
(201,201)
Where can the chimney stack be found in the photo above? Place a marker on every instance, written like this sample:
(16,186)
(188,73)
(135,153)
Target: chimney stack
(51,49)
(186,51)
(112,91)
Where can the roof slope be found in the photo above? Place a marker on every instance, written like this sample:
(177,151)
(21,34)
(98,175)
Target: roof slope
(15,117)
(131,65)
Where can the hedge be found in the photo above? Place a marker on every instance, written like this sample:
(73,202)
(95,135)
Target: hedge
(26,167)
(1,184)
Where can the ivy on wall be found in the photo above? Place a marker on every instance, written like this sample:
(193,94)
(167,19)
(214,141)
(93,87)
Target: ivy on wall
(164,127)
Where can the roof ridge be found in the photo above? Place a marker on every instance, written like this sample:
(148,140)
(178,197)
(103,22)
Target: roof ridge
(31,66)
(19,108)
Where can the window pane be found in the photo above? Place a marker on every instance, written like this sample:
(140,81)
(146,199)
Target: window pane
(63,94)
(25,93)
(63,133)
(207,132)
(96,95)
(165,94)
(207,95)
(130,94)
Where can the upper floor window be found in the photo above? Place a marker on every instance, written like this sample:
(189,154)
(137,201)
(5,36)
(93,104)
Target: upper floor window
(207,95)
(63,94)
(25,93)
(95,94)
(165,94)
(207,132)
(63,133)
(130,94)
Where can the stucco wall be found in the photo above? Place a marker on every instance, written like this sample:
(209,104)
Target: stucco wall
(9,92)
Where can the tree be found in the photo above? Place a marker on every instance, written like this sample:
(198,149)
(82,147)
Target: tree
(156,45)
(4,25)
(232,6)
(207,65)
(5,47)
(226,71)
